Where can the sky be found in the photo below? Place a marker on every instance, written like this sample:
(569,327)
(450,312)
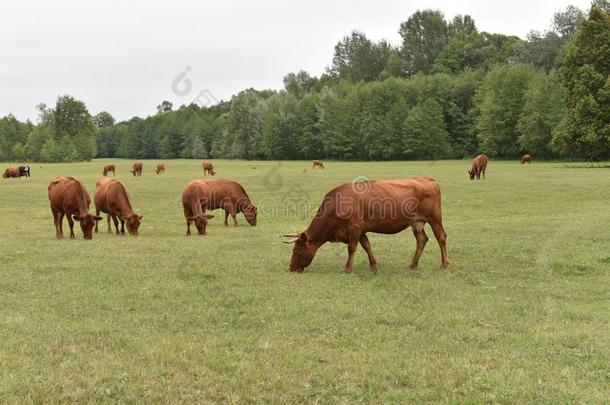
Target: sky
(125,57)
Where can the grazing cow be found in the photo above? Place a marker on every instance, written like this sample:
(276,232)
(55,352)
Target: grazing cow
(208,168)
(351,210)
(317,163)
(111,198)
(24,171)
(11,172)
(192,203)
(137,168)
(526,159)
(479,165)
(160,168)
(228,195)
(69,197)
(108,169)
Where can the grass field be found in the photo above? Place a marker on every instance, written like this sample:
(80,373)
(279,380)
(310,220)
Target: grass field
(522,314)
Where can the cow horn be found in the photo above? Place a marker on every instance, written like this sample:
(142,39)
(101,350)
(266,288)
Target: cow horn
(293,240)
(290,235)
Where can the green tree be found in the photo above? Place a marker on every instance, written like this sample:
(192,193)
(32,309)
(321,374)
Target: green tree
(585,130)
(50,151)
(424,35)
(543,109)
(72,119)
(425,136)
(498,106)
(358,58)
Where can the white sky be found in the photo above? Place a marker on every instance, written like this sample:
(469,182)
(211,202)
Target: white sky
(122,55)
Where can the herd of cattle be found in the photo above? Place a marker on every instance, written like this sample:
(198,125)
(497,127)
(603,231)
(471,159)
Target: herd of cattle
(347,213)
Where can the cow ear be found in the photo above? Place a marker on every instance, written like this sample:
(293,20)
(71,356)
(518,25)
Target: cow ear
(140,217)
(97,218)
(303,237)
(208,216)
(77,218)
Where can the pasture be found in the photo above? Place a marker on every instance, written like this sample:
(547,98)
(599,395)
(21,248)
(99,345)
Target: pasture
(521,314)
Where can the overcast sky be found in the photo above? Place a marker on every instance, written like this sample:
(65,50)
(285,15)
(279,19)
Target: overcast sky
(122,56)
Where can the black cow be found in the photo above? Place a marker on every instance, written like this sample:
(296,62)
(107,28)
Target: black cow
(24,171)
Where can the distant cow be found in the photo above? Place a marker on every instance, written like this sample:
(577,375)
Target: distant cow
(108,169)
(208,168)
(24,171)
(160,168)
(192,203)
(479,165)
(136,168)
(350,211)
(317,163)
(11,172)
(228,195)
(111,198)
(69,197)
(526,159)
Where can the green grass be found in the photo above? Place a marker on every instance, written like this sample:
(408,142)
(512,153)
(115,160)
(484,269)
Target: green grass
(522,314)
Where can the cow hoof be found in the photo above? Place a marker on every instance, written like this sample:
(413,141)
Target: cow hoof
(374,269)
(347,270)
(413,266)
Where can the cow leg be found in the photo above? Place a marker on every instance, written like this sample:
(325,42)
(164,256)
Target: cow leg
(441,237)
(60,221)
(234,215)
(97,213)
(122,226)
(352,245)
(116,223)
(56,222)
(226,217)
(108,220)
(483,174)
(71,224)
(364,241)
(421,238)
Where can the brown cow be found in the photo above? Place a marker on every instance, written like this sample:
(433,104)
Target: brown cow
(192,202)
(479,165)
(160,168)
(137,168)
(351,210)
(11,172)
(208,168)
(526,159)
(108,169)
(228,195)
(111,198)
(317,163)
(69,197)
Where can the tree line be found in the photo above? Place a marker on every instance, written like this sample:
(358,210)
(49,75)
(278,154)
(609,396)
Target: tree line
(447,91)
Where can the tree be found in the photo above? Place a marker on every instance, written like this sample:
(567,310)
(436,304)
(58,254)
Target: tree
(50,151)
(164,107)
(543,109)
(103,119)
(498,105)
(425,136)
(358,58)
(424,35)
(585,129)
(72,119)
(568,21)
(299,84)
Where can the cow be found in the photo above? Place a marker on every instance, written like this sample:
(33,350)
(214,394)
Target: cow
(24,171)
(192,203)
(479,165)
(160,168)
(111,197)
(108,169)
(137,168)
(208,168)
(526,159)
(69,197)
(228,195)
(11,172)
(349,211)
(317,163)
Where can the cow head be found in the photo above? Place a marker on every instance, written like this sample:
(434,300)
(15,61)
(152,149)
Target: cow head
(87,223)
(212,172)
(133,223)
(302,253)
(471,174)
(201,222)
(5,174)
(250,213)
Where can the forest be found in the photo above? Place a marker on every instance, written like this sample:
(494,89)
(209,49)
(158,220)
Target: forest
(446,91)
